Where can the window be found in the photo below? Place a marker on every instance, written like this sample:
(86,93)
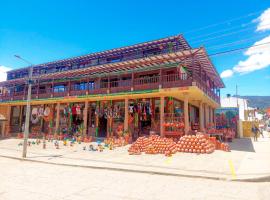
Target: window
(19,88)
(80,86)
(114,59)
(59,88)
(92,85)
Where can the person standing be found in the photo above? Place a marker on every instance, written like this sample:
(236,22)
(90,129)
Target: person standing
(254,130)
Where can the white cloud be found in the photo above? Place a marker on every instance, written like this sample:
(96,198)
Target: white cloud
(227,73)
(264,21)
(258,55)
(3,72)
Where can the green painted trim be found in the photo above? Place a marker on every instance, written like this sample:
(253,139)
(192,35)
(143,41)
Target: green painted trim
(87,96)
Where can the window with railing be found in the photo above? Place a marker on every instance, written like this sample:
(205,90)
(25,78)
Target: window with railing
(19,88)
(80,86)
(59,88)
(91,85)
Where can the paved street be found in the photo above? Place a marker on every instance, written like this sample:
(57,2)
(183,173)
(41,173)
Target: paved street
(247,160)
(23,180)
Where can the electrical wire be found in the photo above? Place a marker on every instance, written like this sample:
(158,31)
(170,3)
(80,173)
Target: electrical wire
(237,49)
(224,22)
(227,34)
(222,30)
(221,46)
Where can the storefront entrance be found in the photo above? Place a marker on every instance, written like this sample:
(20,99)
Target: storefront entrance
(145,126)
(102,127)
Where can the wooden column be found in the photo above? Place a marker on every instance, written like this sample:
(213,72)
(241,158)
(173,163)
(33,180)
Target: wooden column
(160,79)
(201,116)
(7,126)
(132,81)
(99,82)
(3,128)
(24,92)
(211,115)
(206,115)
(57,118)
(109,84)
(21,116)
(186,114)
(126,115)
(162,116)
(87,86)
(214,118)
(52,92)
(69,87)
(13,91)
(42,121)
(38,88)
(85,118)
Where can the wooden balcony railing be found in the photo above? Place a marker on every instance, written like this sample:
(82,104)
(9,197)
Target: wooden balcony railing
(143,83)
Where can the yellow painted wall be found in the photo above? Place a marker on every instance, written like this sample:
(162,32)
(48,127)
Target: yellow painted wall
(4,110)
(247,128)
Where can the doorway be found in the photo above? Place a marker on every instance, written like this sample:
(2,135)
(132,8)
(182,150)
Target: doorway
(102,127)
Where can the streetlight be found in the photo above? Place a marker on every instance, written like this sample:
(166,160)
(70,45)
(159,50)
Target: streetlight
(27,118)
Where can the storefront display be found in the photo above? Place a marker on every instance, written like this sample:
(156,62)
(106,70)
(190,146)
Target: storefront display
(199,144)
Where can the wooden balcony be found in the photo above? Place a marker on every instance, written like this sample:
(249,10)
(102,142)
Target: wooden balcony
(144,83)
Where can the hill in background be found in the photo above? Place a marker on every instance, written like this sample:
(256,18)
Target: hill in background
(261,102)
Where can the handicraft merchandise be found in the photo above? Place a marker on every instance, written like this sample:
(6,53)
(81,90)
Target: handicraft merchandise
(140,111)
(36,114)
(199,144)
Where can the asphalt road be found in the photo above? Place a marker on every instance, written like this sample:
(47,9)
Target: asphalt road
(23,180)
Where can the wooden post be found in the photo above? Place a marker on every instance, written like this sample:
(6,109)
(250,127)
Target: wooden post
(186,114)
(210,115)
(42,122)
(214,118)
(206,115)
(69,87)
(99,83)
(3,128)
(13,92)
(162,100)
(85,118)
(38,88)
(201,116)
(109,84)
(160,78)
(87,86)
(126,115)
(52,92)
(24,91)
(57,118)
(7,129)
(20,118)
(132,81)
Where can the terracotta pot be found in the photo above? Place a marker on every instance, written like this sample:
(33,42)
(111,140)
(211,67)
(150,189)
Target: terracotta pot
(126,138)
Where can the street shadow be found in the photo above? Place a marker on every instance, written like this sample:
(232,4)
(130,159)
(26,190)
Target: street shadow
(242,144)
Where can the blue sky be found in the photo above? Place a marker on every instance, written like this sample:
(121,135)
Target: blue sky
(48,30)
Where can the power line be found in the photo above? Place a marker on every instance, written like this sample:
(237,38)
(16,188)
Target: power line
(223,22)
(221,46)
(237,49)
(227,34)
(222,30)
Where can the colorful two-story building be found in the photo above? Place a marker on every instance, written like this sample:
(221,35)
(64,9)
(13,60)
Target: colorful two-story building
(162,86)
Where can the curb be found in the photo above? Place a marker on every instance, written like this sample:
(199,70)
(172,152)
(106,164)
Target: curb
(259,179)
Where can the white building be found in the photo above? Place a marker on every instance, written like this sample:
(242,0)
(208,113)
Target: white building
(234,102)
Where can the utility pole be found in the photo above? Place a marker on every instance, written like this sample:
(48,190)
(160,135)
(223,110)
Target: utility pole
(237,97)
(28,108)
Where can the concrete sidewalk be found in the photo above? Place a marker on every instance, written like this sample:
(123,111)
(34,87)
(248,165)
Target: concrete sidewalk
(248,160)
